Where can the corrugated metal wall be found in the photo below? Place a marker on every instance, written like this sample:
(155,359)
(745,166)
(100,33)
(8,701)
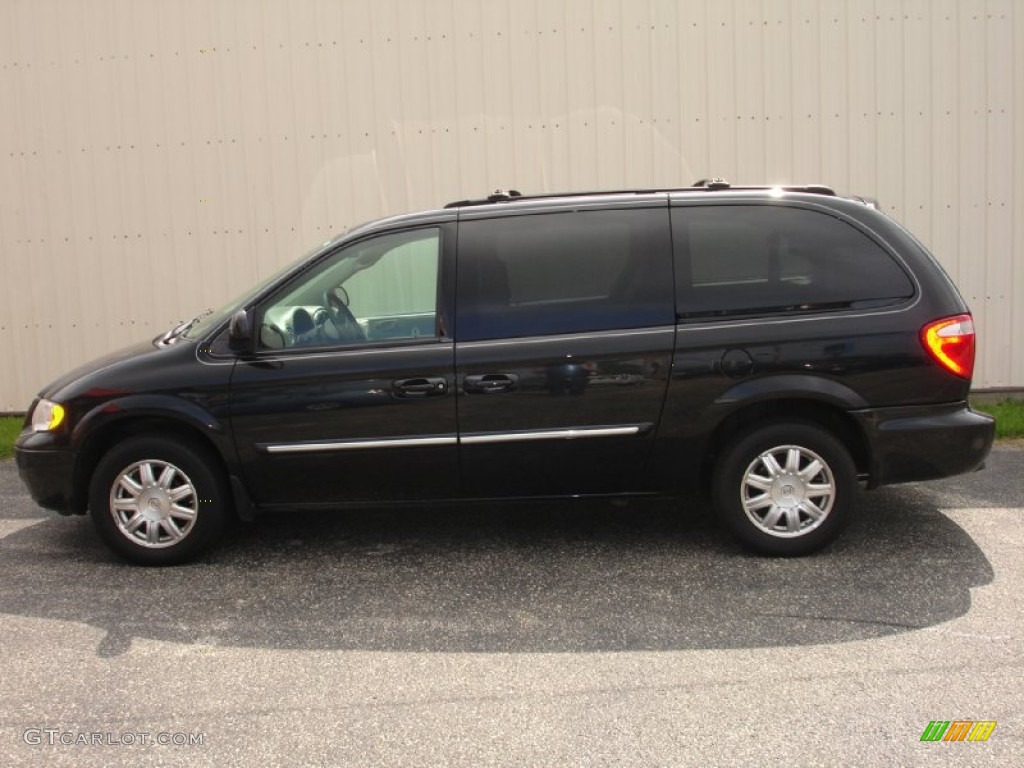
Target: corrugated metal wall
(158,157)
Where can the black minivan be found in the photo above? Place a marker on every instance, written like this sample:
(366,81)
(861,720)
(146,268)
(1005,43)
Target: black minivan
(772,347)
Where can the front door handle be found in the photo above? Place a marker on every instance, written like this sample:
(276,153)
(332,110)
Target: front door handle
(427,386)
(489,383)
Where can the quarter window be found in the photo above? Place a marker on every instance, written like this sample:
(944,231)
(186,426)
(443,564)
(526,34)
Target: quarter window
(736,259)
(567,272)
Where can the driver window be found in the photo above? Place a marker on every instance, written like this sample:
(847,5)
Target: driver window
(380,289)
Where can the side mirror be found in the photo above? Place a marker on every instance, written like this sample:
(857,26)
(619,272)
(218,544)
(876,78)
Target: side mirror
(240,332)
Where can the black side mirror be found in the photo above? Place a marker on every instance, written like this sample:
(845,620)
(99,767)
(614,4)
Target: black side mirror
(240,332)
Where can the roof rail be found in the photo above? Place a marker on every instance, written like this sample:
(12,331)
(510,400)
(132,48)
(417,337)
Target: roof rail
(716,183)
(713,184)
(811,189)
(814,189)
(497,196)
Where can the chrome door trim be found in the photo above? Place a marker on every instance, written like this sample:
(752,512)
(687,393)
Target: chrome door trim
(572,433)
(476,438)
(349,445)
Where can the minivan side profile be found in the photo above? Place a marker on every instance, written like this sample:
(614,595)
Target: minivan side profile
(774,348)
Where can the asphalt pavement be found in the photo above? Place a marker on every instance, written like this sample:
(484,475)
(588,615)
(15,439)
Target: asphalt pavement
(582,634)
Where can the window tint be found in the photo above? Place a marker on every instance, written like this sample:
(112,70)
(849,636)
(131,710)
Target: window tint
(565,272)
(379,289)
(750,259)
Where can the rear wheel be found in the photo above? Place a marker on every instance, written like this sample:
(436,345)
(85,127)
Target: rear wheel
(786,488)
(158,500)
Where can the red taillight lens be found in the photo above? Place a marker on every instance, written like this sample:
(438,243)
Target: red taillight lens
(950,341)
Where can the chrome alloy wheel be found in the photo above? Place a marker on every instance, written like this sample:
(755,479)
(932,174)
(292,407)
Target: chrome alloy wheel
(788,491)
(153,503)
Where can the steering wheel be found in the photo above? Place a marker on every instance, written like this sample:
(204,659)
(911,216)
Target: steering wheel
(342,319)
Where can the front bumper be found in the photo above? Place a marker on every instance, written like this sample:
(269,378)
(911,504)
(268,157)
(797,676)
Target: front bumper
(925,442)
(48,473)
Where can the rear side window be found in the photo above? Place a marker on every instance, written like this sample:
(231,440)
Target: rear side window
(745,259)
(567,272)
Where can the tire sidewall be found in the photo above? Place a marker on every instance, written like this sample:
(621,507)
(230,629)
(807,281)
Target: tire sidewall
(735,460)
(202,470)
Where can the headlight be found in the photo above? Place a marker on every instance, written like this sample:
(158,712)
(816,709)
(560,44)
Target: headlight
(47,416)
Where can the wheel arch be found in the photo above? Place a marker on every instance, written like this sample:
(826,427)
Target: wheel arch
(815,411)
(98,434)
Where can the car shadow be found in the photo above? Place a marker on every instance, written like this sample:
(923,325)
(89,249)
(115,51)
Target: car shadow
(568,577)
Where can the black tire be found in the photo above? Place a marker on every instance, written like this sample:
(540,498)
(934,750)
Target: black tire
(784,504)
(151,524)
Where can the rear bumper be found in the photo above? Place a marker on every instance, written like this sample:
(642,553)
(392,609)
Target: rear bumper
(48,475)
(925,442)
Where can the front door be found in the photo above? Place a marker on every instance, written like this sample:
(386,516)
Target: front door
(349,395)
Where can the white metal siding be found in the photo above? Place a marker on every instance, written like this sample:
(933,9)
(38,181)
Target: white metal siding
(158,157)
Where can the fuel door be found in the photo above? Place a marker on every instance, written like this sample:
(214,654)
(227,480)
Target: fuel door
(736,363)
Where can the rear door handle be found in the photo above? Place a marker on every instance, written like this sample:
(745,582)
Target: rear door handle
(428,386)
(489,383)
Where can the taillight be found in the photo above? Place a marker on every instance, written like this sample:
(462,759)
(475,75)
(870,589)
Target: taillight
(950,341)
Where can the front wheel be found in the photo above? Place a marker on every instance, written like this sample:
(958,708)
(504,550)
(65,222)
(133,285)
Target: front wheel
(157,500)
(785,489)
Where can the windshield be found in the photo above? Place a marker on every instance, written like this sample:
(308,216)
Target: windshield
(204,321)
